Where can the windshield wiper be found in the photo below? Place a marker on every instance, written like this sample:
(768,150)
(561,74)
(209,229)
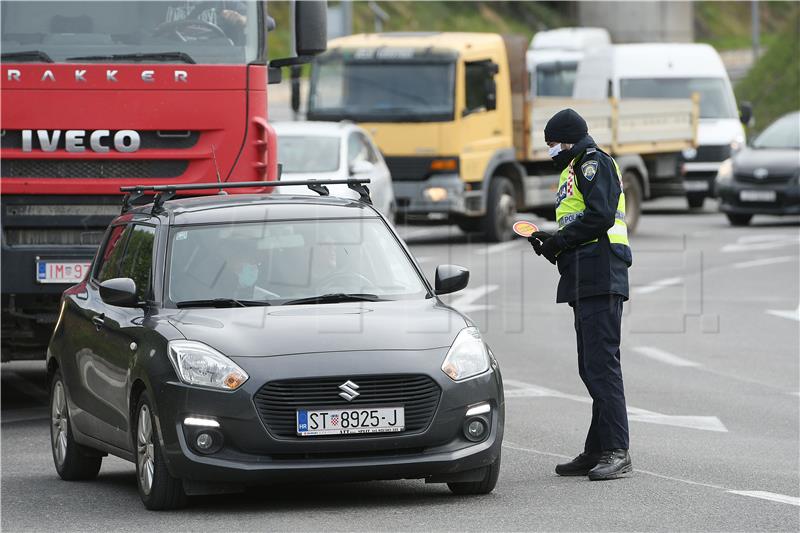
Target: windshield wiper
(335,298)
(27,55)
(152,56)
(221,302)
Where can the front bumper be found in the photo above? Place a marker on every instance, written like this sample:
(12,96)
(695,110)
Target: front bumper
(413,199)
(253,455)
(787,199)
(698,177)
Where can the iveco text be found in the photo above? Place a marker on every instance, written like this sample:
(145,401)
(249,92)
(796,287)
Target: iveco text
(75,140)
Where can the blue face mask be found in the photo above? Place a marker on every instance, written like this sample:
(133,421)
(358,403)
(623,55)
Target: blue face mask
(248,275)
(554,150)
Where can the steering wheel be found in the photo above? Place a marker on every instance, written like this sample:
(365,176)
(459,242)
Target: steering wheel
(176,26)
(330,281)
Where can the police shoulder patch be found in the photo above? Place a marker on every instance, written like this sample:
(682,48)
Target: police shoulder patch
(589,169)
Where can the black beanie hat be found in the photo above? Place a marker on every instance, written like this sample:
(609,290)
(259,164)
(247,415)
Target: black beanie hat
(565,126)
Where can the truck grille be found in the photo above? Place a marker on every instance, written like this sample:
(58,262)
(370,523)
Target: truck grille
(409,168)
(92,168)
(278,401)
(52,236)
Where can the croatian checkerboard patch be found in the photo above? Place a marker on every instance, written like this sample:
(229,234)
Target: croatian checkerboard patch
(589,169)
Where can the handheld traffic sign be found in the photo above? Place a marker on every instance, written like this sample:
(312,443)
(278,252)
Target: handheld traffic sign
(523,228)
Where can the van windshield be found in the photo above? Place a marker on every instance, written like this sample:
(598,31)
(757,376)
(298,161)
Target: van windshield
(716,98)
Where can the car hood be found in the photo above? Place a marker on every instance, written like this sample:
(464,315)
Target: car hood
(296,329)
(750,159)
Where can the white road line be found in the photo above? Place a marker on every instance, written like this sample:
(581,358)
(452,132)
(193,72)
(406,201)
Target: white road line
(658,285)
(765,262)
(465,301)
(520,389)
(500,247)
(661,356)
(752,243)
(771,496)
(781,498)
(791,315)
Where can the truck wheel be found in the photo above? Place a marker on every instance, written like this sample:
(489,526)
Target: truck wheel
(73,461)
(738,219)
(157,488)
(501,212)
(469,224)
(633,200)
(484,486)
(695,200)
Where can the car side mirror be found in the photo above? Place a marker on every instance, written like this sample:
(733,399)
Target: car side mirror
(362,166)
(120,292)
(746,113)
(450,278)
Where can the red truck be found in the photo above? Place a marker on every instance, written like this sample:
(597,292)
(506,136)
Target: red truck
(99,95)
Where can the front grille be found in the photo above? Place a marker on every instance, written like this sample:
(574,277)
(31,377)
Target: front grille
(52,236)
(150,140)
(278,401)
(770,178)
(92,168)
(409,168)
(706,153)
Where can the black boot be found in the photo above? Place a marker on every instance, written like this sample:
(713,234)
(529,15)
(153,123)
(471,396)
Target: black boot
(579,466)
(612,464)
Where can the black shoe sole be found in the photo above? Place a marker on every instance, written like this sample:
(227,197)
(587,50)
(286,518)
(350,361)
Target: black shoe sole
(573,473)
(616,475)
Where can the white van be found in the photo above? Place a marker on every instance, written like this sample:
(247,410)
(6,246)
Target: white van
(554,55)
(673,70)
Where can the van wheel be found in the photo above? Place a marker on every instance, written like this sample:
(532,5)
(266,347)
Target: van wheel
(73,461)
(501,211)
(484,486)
(633,200)
(695,201)
(738,219)
(157,488)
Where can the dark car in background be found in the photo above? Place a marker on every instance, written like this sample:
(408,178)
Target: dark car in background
(226,341)
(762,179)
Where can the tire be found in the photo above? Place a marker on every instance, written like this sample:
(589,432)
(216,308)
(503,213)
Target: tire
(501,212)
(633,200)
(157,488)
(738,219)
(73,461)
(695,201)
(484,486)
(469,224)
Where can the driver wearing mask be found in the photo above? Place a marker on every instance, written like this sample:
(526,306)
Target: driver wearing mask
(244,267)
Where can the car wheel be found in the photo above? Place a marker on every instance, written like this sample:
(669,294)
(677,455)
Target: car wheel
(501,212)
(73,461)
(695,201)
(738,219)
(157,488)
(633,200)
(484,486)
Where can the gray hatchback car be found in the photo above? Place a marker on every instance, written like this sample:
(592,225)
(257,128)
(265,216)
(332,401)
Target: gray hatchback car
(225,341)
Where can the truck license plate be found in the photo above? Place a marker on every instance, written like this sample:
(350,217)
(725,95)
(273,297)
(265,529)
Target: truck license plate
(695,186)
(758,196)
(61,271)
(339,421)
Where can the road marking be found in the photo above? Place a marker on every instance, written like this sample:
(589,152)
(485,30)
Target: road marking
(521,389)
(658,285)
(752,243)
(771,496)
(765,262)
(663,357)
(499,247)
(791,315)
(465,301)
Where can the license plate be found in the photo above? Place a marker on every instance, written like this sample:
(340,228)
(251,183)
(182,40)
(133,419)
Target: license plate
(58,271)
(695,186)
(758,196)
(350,421)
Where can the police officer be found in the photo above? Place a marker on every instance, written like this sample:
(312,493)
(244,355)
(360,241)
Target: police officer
(593,255)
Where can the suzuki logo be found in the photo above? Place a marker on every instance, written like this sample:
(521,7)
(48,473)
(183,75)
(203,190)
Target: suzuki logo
(349,391)
(760,173)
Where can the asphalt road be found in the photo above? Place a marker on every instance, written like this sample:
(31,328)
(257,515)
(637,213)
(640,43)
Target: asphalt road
(710,358)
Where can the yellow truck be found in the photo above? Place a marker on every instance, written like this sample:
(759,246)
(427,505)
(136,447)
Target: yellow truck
(454,119)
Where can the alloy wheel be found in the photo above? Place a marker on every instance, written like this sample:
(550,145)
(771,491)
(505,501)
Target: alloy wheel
(60,424)
(144,449)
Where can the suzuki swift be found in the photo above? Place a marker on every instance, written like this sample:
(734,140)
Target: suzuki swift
(225,341)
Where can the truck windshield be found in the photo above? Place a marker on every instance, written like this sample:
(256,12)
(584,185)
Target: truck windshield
(716,98)
(385,91)
(555,79)
(221,32)
(274,263)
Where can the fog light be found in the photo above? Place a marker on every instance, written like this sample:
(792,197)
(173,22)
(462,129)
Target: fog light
(204,441)
(475,429)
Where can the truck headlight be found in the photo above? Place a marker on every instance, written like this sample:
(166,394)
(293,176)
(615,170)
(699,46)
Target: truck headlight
(200,364)
(725,172)
(467,356)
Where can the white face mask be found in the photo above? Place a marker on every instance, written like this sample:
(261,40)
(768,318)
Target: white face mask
(554,150)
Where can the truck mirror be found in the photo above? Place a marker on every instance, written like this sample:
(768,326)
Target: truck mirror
(746,113)
(491,94)
(310,27)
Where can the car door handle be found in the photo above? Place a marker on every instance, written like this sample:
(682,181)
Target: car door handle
(98,321)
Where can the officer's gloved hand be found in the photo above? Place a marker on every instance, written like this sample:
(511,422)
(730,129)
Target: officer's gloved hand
(537,239)
(551,248)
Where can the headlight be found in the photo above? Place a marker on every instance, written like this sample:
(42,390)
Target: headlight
(737,144)
(467,356)
(198,364)
(725,172)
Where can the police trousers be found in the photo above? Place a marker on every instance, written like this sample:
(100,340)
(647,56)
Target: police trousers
(597,326)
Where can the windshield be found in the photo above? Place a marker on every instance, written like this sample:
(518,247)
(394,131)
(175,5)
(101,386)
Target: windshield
(308,154)
(207,32)
(716,98)
(277,262)
(555,79)
(784,133)
(382,91)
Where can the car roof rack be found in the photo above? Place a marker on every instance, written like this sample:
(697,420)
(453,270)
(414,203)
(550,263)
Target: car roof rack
(169,191)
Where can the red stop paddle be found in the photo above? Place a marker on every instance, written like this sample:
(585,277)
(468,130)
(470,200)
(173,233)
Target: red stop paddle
(523,228)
